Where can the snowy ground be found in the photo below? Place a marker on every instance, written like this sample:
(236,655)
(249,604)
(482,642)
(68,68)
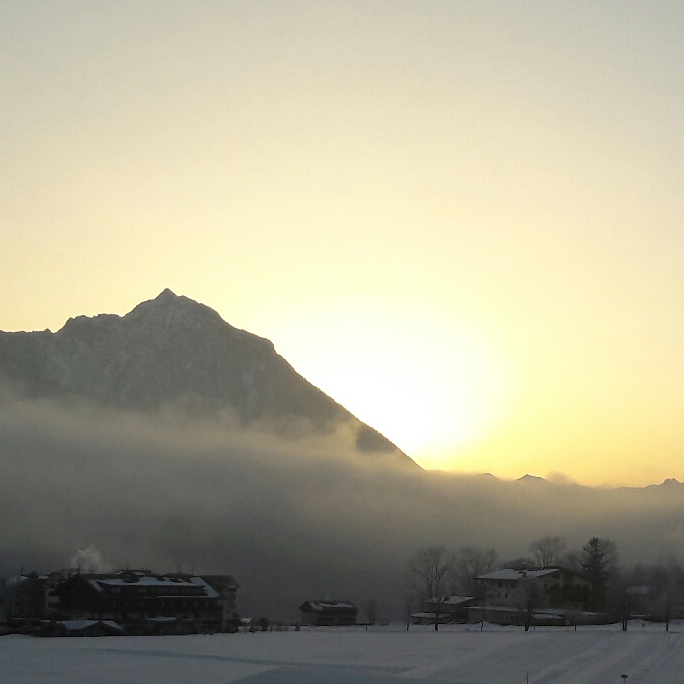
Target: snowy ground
(382,655)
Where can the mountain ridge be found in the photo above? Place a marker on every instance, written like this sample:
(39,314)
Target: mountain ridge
(174,350)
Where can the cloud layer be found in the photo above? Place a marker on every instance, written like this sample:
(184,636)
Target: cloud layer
(290,518)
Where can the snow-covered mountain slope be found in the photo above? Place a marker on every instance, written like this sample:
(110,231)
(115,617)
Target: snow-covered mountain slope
(173,351)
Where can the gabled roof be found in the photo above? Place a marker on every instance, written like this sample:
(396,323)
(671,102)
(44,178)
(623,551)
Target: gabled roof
(510,575)
(450,600)
(144,581)
(328,606)
(221,582)
(78,625)
(106,582)
(20,579)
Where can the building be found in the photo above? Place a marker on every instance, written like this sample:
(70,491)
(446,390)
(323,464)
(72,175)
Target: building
(145,603)
(26,597)
(550,596)
(554,587)
(327,613)
(91,628)
(445,609)
(226,587)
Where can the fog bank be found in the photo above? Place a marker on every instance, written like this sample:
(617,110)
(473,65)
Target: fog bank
(290,518)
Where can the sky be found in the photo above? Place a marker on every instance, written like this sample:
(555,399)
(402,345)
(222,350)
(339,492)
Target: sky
(460,220)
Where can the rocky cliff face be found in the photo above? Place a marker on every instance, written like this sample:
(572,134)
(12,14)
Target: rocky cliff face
(172,351)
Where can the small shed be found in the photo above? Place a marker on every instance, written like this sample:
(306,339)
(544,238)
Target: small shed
(446,609)
(328,613)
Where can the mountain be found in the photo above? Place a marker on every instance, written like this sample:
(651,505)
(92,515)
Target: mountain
(174,351)
(282,506)
(531,479)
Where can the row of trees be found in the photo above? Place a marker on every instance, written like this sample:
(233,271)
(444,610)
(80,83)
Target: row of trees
(655,591)
(433,570)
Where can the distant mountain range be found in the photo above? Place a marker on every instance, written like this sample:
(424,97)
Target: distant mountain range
(174,351)
(669,483)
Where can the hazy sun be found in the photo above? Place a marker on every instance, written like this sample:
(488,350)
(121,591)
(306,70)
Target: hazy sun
(428,384)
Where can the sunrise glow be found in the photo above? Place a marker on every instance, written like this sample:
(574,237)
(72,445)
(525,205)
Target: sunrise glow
(461,222)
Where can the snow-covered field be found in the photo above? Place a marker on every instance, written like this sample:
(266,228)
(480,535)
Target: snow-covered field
(460,654)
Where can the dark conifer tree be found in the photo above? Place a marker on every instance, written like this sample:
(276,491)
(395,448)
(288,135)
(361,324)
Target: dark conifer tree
(598,560)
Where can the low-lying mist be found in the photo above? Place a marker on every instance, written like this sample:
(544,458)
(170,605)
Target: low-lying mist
(290,517)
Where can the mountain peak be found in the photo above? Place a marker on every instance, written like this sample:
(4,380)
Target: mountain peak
(670,482)
(172,350)
(531,478)
(171,311)
(168,297)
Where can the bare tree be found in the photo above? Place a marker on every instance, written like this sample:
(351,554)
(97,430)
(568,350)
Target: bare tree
(666,581)
(572,560)
(547,550)
(427,569)
(620,597)
(426,572)
(408,604)
(469,563)
(530,600)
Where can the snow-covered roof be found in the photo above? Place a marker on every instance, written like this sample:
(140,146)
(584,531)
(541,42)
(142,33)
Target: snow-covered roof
(76,625)
(514,575)
(13,581)
(199,582)
(18,579)
(152,581)
(329,605)
(451,600)
(499,609)
(163,618)
(172,585)
(103,582)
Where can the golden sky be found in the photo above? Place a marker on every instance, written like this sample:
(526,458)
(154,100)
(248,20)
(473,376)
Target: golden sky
(463,221)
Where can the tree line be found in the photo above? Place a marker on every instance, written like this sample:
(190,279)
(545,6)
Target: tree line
(653,591)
